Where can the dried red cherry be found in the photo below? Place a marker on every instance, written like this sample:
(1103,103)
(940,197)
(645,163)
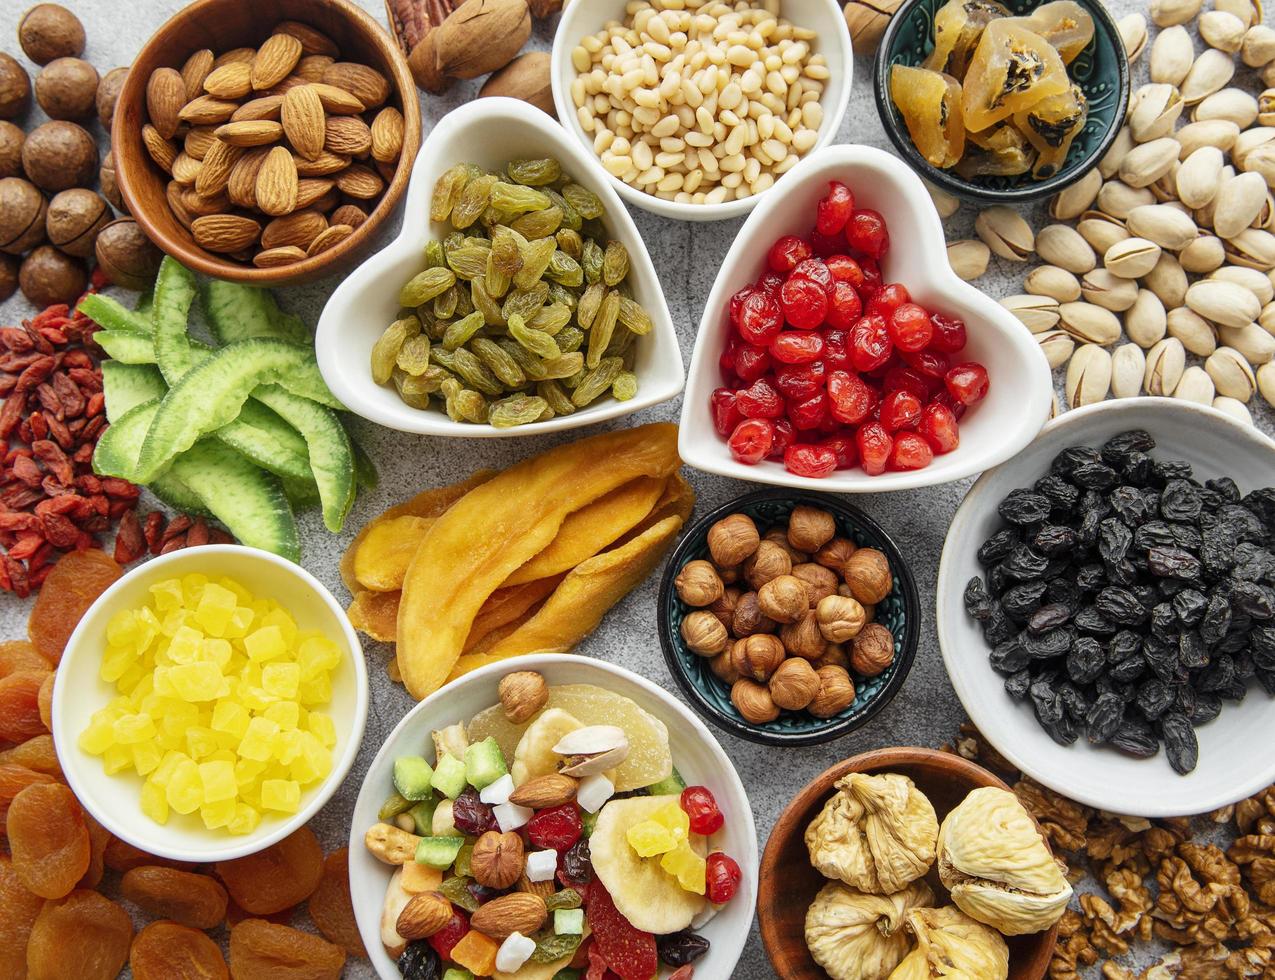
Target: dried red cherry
(874,447)
(786,253)
(851,397)
(725,412)
(751,440)
(760,318)
(799,381)
(866,233)
(809,460)
(834,210)
(900,410)
(870,344)
(804,303)
(792,347)
(701,807)
(784,436)
(845,269)
(939,428)
(722,877)
(453,932)
(759,401)
(889,298)
(816,271)
(949,333)
(809,414)
(967,382)
(844,305)
(901,378)
(751,362)
(910,327)
(842,446)
(909,452)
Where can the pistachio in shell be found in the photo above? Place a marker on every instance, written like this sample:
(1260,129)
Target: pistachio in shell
(8,276)
(49,276)
(108,93)
(11,140)
(74,219)
(126,255)
(48,31)
(526,78)
(59,155)
(66,88)
(107,183)
(22,210)
(15,87)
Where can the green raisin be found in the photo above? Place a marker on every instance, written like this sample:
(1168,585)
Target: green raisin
(592,258)
(494,280)
(411,393)
(464,305)
(596,381)
(569,339)
(516,410)
(392,807)
(553,947)
(424,286)
(586,203)
(525,302)
(565,270)
(634,317)
(386,348)
(452,240)
(603,327)
(484,304)
(575,379)
(474,373)
(559,293)
(413,356)
(556,398)
(473,200)
(445,303)
(468,262)
(570,242)
(621,343)
(540,344)
(457,890)
(447,191)
(590,302)
(624,386)
(538,224)
(570,216)
(434,254)
(517,199)
(550,319)
(615,263)
(464,860)
(532,366)
(467,405)
(567,898)
(564,366)
(536,256)
(498,362)
(458,333)
(534,173)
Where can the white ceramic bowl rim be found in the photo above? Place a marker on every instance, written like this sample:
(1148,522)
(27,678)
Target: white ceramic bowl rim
(1003,725)
(700,445)
(132,826)
(343,361)
(583,17)
(671,711)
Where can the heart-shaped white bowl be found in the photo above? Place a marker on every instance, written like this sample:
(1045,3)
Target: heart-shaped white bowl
(489,132)
(1020,392)
(581,18)
(1235,758)
(696,754)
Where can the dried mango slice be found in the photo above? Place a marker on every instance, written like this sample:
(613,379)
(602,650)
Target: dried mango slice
(1012,69)
(1063,23)
(1051,125)
(496,527)
(376,614)
(677,500)
(930,102)
(958,25)
(1000,151)
(507,606)
(387,549)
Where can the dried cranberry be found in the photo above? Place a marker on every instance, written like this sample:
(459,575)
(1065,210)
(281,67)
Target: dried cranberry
(792,347)
(910,327)
(909,452)
(939,428)
(870,344)
(701,807)
(900,378)
(814,270)
(760,318)
(784,435)
(751,362)
(843,447)
(845,269)
(804,303)
(575,865)
(737,301)
(809,414)
(844,305)
(930,363)
(759,401)
(967,382)
(725,412)
(786,253)
(833,211)
(866,232)
(900,410)
(797,382)
(751,440)
(888,299)
(557,827)
(447,937)
(722,876)
(681,948)
(949,333)
(836,349)
(874,447)
(472,816)
(850,396)
(810,460)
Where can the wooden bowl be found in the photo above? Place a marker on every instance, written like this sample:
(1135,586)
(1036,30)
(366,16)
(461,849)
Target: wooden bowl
(221,25)
(788,883)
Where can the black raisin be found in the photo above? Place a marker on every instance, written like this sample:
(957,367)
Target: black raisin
(1017,685)
(1135,738)
(1130,505)
(1130,669)
(998,546)
(472,816)
(1188,606)
(1253,600)
(1262,639)
(1165,470)
(1064,731)
(577,863)
(1120,606)
(1020,600)
(1217,619)
(419,961)
(1065,462)
(978,603)
(998,628)
(1153,533)
(1122,646)
(1094,476)
(1104,718)
(1191,650)
(1024,508)
(1053,539)
(1154,697)
(1114,539)
(1090,620)
(1253,564)
(1218,675)
(680,948)
(1075,702)
(1179,501)
(1225,488)
(1061,494)
(1048,617)
(1173,563)
(1164,622)
(1023,564)
(1180,745)
(1047,645)
(1085,660)
(1009,657)
(1045,699)
(1119,446)
(1091,578)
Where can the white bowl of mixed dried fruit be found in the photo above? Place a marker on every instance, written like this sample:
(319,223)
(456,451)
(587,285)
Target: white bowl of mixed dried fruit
(553,811)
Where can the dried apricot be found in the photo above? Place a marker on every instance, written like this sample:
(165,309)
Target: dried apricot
(122,856)
(48,839)
(36,753)
(44,700)
(84,928)
(20,706)
(331,907)
(283,874)
(18,655)
(170,951)
(13,780)
(18,909)
(76,580)
(99,837)
(261,950)
(189,899)
(236,915)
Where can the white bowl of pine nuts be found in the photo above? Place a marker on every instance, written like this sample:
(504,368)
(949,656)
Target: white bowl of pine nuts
(695,108)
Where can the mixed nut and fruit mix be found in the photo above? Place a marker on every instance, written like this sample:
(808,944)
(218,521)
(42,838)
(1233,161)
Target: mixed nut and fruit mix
(552,830)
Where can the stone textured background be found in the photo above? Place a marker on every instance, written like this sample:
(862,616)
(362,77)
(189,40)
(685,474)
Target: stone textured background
(926,712)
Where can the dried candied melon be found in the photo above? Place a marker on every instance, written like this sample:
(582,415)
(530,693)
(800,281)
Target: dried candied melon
(1063,23)
(958,25)
(1051,125)
(930,102)
(1012,69)
(1001,151)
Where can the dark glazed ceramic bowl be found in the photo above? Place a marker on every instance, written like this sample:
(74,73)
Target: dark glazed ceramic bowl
(900,612)
(1101,70)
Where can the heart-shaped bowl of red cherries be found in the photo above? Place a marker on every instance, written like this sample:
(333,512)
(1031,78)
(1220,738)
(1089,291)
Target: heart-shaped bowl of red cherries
(838,350)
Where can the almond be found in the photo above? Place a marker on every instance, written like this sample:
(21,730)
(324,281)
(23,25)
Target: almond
(312,67)
(216,169)
(277,182)
(324,165)
(554,789)
(200,205)
(337,100)
(366,84)
(186,168)
(173,194)
(348,214)
(275,60)
(232,81)
(542,888)
(360,182)
(250,132)
(162,151)
(198,140)
(206,111)
(303,121)
(225,232)
(272,258)
(287,85)
(334,235)
(241,188)
(520,912)
(299,228)
(165,96)
(311,189)
(313,42)
(424,915)
(235,54)
(347,134)
(194,71)
(387,135)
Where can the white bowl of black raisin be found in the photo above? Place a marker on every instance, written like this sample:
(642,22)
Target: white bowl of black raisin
(1106,607)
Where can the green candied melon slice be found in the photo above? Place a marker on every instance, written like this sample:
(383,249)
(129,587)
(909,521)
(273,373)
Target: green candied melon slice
(110,314)
(269,441)
(117,448)
(126,346)
(174,294)
(238,312)
(125,386)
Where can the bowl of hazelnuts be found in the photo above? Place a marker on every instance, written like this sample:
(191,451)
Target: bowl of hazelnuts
(788,618)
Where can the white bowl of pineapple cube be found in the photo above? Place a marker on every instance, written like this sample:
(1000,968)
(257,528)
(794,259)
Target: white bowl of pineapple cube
(697,756)
(79,691)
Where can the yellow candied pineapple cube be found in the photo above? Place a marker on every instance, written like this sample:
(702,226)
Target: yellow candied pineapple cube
(686,866)
(196,681)
(277,617)
(230,717)
(649,837)
(131,678)
(215,651)
(184,647)
(672,816)
(201,742)
(142,695)
(167,766)
(121,628)
(245,820)
(134,728)
(258,740)
(285,714)
(218,779)
(287,746)
(176,716)
(116,663)
(117,758)
(216,605)
(99,734)
(147,629)
(283,795)
(281,679)
(241,622)
(316,690)
(318,654)
(323,728)
(265,643)
(172,621)
(185,790)
(193,587)
(167,595)
(155,801)
(248,771)
(218,813)
(255,698)
(147,757)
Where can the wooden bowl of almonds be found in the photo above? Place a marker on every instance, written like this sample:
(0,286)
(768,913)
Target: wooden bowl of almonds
(266,143)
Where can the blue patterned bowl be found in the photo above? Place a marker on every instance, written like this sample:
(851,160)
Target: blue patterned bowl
(900,612)
(1101,70)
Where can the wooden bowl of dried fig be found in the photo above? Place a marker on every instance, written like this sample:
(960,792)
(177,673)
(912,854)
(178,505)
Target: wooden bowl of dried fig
(207,194)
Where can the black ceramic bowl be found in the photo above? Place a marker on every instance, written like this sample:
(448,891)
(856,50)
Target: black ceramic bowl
(1101,70)
(900,612)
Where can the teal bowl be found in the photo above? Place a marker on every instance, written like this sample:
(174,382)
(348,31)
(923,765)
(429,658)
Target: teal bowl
(900,612)
(1101,70)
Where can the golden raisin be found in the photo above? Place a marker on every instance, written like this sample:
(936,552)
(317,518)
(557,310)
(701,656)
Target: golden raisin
(18,909)
(84,934)
(331,907)
(261,950)
(48,839)
(75,582)
(271,880)
(20,706)
(189,899)
(171,951)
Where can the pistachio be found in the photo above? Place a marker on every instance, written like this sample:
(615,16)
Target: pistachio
(1266,107)
(1231,374)
(1203,255)
(1088,323)
(1194,332)
(1165,363)
(1235,409)
(1258,284)
(1249,12)
(1128,366)
(1148,162)
(1195,386)
(1049,280)
(944,203)
(1061,245)
(1260,160)
(1267,319)
(1005,232)
(1166,226)
(1219,133)
(1210,73)
(1073,201)
(1131,258)
(968,258)
(1168,13)
(1088,376)
(1167,280)
(1221,30)
(1101,230)
(1252,247)
(1165,189)
(1266,382)
(1117,198)
(1258,46)
(1251,340)
(1197,178)
(1231,104)
(1225,303)
(1103,288)
(1145,321)
(1057,347)
(1172,55)
(1153,111)
(1248,141)
(1037,313)
(1133,35)
(1109,165)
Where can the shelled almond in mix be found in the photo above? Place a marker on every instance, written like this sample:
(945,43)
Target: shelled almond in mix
(276,153)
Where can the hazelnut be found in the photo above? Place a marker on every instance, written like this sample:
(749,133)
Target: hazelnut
(802,637)
(59,155)
(74,219)
(723,667)
(126,255)
(497,859)
(768,562)
(819,581)
(108,93)
(780,537)
(704,633)
(872,651)
(522,694)
(8,276)
(15,88)
(810,528)
(11,140)
(48,276)
(794,685)
(698,583)
(49,31)
(723,607)
(867,572)
(749,618)
(834,655)
(753,701)
(22,211)
(757,657)
(840,618)
(732,539)
(730,574)
(834,554)
(869,612)
(836,693)
(67,88)
(783,599)
(107,185)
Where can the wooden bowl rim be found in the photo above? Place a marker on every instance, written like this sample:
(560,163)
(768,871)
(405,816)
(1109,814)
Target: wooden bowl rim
(873,760)
(311,267)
